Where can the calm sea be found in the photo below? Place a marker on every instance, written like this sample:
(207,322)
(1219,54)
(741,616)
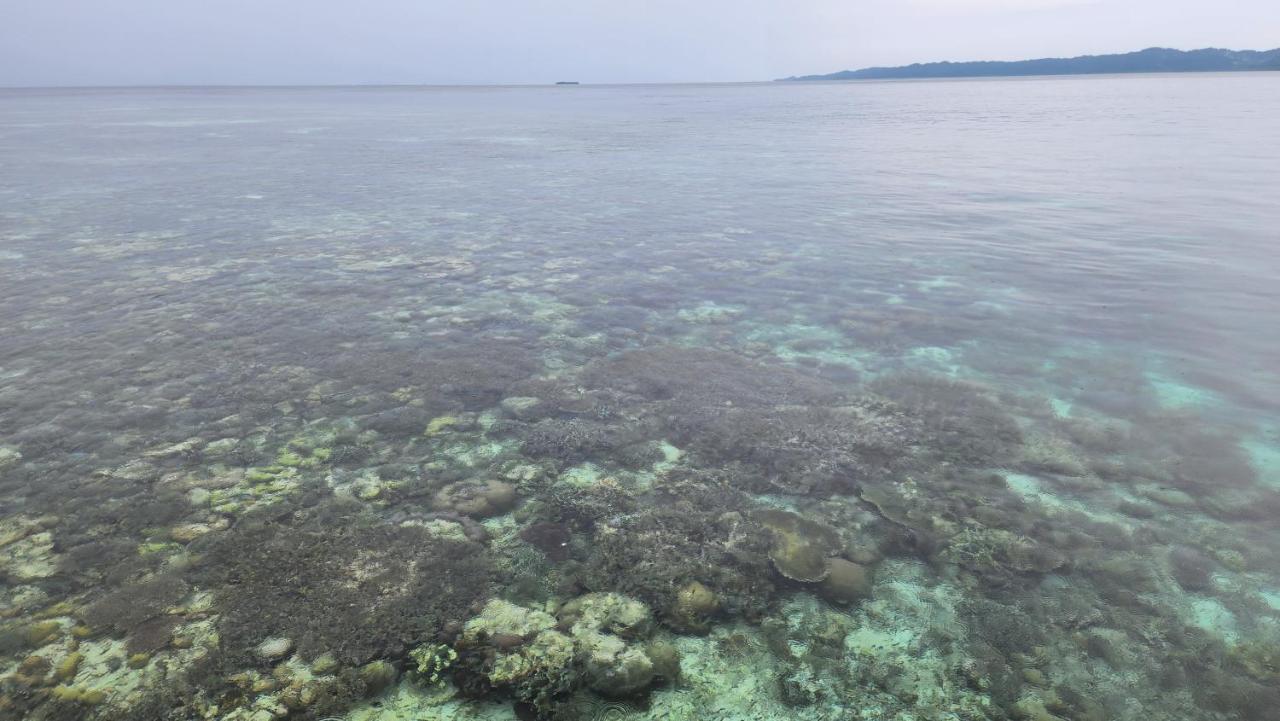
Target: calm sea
(234,317)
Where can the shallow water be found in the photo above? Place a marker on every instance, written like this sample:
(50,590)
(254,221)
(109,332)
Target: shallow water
(389,374)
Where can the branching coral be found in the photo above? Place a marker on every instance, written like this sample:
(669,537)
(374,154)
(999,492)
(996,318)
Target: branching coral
(574,440)
(581,507)
(357,591)
(697,535)
(699,377)
(131,606)
(803,449)
(963,423)
(430,661)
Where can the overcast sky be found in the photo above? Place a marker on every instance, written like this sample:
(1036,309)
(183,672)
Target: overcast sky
(107,42)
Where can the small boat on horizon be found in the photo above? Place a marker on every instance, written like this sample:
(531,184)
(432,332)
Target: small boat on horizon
(568,82)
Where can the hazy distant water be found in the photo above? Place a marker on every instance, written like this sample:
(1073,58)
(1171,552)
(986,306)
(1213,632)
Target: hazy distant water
(200,287)
(1139,211)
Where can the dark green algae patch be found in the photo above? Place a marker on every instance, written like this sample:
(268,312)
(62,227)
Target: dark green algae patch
(630,537)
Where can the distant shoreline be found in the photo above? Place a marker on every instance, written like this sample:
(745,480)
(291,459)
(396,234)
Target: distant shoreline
(1151,60)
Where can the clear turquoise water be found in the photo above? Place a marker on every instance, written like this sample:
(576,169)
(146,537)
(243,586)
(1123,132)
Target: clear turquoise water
(267,354)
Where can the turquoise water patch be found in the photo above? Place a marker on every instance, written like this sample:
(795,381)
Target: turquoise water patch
(670,453)
(1264,452)
(1172,393)
(1061,407)
(1215,618)
(709,313)
(1271,596)
(796,341)
(937,282)
(935,358)
(1032,489)
(1024,485)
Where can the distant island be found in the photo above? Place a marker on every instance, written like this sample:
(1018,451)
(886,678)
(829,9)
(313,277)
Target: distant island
(1151,60)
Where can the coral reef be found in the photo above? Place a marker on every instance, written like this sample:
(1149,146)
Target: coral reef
(694,606)
(477,499)
(846,581)
(963,422)
(550,538)
(130,607)
(571,476)
(595,641)
(357,592)
(517,650)
(800,546)
(803,450)
(696,534)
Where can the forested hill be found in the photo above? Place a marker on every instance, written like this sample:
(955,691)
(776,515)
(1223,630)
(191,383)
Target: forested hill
(1151,60)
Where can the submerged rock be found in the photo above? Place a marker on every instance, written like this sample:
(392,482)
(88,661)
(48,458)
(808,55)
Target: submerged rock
(273,649)
(325,664)
(9,456)
(606,612)
(188,532)
(185,448)
(666,660)
(478,499)
(800,546)
(15,528)
(612,667)
(520,650)
(597,642)
(377,675)
(601,624)
(29,559)
(136,470)
(521,407)
(695,604)
(846,581)
(501,617)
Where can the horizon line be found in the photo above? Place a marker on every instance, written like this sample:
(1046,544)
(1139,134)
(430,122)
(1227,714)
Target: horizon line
(781,82)
(379,84)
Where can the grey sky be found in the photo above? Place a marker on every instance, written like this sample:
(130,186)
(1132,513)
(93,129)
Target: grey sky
(97,42)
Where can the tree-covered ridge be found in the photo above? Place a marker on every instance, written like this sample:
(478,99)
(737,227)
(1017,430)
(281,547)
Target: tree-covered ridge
(1151,60)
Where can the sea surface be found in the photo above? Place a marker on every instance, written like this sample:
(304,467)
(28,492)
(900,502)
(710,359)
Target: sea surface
(912,401)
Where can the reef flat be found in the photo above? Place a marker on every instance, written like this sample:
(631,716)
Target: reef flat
(283,447)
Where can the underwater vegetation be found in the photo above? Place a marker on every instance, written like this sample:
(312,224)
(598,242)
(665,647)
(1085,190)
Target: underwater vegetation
(305,564)
(619,538)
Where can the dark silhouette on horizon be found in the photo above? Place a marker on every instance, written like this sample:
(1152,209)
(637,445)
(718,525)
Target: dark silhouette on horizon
(1151,60)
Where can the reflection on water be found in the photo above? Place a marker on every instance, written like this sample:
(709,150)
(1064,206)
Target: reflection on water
(947,400)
